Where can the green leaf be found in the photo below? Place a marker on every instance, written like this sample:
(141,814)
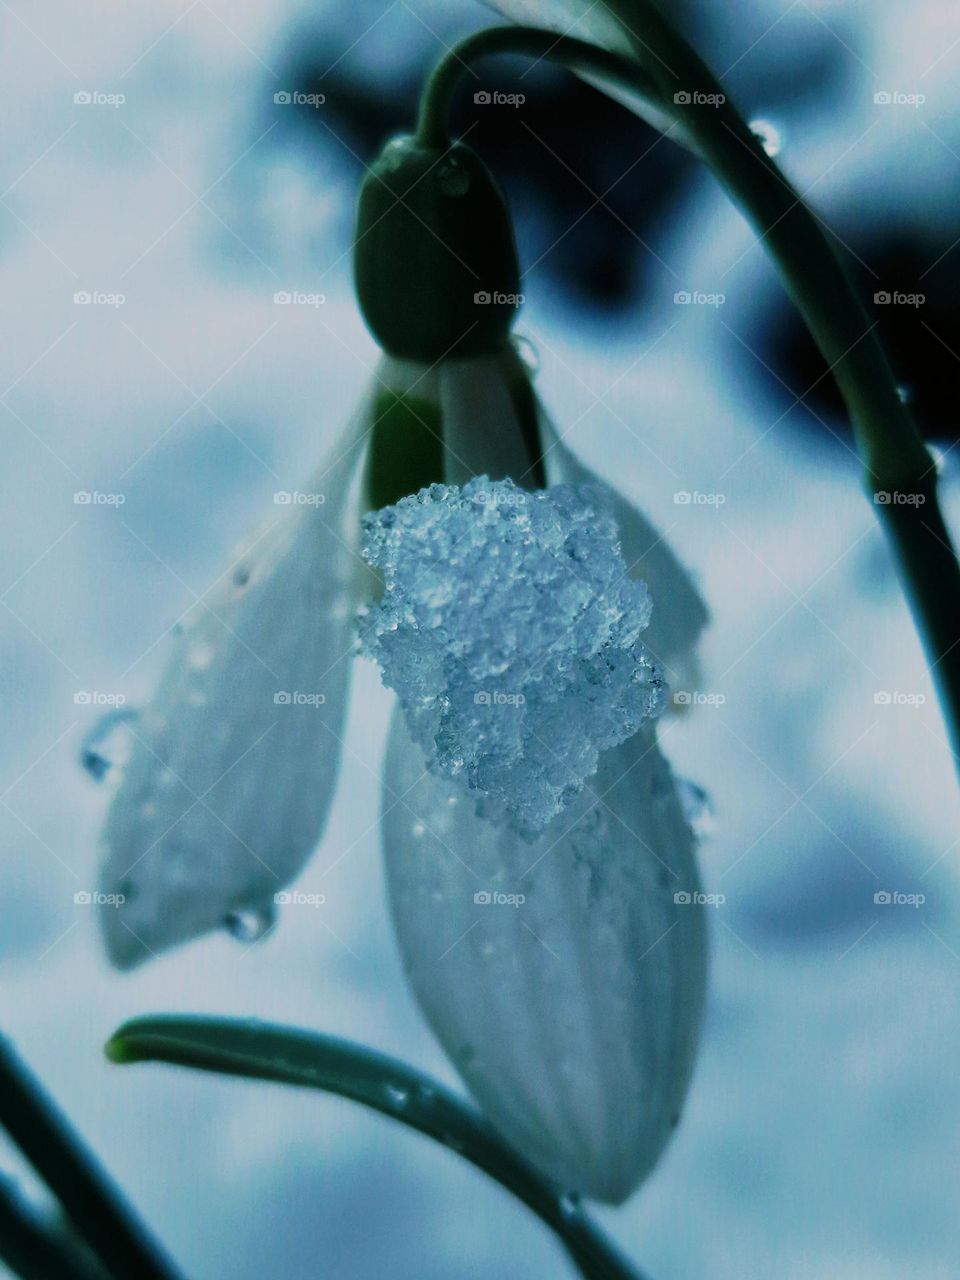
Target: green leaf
(95,1207)
(36,1248)
(264,1051)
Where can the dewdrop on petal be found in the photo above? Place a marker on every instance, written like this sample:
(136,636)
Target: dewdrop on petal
(511,630)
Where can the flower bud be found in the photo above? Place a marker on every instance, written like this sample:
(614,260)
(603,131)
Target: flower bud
(435,265)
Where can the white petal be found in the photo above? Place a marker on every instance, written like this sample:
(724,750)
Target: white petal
(679,613)
(231,774)
(482,430)
(573,1017)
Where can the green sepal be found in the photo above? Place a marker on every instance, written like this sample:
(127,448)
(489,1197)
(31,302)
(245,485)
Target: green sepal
(406,448)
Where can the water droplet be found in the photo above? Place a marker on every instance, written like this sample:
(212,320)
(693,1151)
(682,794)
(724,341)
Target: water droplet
(453,177)
(904,393)
(241,577)
(106,748)
(250,924)
(201,656)
(569,1205)
(418,829)
(769,136)
(697,807)
(397,1096)
(528,353)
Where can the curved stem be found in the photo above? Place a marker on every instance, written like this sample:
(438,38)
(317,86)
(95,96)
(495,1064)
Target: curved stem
(665,71)
(287,1055)
(527,42)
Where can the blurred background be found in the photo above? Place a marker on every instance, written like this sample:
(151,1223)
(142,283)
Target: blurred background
(149,166)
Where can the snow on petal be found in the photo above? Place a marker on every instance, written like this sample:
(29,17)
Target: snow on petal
(233,764)
(565,979)
(511,630)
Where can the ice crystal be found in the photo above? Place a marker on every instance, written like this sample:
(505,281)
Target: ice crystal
(510,629)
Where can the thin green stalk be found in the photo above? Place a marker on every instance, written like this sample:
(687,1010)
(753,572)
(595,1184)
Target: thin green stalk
(95,1207)
(263,1051)
(33,1248)
(894,457)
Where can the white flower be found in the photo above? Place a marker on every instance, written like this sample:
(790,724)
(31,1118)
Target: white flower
(565,979)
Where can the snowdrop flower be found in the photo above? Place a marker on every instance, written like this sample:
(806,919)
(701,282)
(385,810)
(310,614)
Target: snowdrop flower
(541,872)
(548,919)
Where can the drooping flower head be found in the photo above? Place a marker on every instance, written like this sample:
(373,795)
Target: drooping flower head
(511,630)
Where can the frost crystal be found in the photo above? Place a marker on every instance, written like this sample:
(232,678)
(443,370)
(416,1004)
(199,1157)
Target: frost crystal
(510,629)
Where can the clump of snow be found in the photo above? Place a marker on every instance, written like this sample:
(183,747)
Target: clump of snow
(510,629)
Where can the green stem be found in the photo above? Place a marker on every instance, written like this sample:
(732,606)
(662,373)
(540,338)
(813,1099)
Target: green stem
(894,457)
(94,1206)
(262,1051)
(32,1248)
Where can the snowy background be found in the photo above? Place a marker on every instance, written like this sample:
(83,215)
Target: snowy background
(820,1136)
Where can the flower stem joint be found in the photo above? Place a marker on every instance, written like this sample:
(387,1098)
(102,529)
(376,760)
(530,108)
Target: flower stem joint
(435,264)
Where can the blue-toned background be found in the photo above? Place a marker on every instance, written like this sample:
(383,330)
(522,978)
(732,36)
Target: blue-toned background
(821,1134)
